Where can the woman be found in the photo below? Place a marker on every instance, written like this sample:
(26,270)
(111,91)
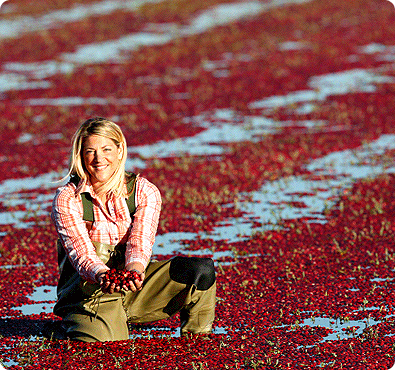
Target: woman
(107,218)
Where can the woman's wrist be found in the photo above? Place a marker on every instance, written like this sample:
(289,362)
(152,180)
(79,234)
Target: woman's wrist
(135,266)
(99,276)
(136,270)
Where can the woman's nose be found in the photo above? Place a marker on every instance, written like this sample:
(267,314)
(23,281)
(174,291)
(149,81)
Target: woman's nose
(98,156)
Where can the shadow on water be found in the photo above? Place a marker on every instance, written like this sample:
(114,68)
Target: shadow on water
(27,328)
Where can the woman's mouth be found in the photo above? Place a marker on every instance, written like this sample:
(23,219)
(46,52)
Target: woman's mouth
(99,167)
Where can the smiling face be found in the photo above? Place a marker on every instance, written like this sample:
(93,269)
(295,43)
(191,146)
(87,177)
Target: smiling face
(101,157)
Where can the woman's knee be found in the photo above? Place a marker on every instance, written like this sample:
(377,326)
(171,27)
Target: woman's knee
(196,271)
(108,323)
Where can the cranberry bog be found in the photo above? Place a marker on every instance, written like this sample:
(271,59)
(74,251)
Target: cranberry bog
(268,127)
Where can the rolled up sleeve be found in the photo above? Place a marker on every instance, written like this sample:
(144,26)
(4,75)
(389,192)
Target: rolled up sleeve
(67,213)
(145,224)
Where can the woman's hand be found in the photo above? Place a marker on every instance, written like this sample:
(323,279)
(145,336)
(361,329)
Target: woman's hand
(119,280)
(105,285)
(136,284)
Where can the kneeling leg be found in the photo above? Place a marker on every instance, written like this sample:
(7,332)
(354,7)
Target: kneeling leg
(182,284)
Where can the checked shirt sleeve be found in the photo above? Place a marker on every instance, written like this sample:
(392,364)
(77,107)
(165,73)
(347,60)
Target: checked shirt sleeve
(145,224)
(67,213)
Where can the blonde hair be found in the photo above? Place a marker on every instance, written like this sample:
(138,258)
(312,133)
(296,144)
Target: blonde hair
(110,130)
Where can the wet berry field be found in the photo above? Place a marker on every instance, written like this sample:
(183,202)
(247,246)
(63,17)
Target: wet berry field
(268,127)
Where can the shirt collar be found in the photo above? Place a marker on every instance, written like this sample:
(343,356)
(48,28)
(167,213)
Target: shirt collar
(88,188)
(84,188)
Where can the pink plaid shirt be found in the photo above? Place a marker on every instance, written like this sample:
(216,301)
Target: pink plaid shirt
(111,226)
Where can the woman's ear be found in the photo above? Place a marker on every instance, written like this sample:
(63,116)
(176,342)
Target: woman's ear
(120,152)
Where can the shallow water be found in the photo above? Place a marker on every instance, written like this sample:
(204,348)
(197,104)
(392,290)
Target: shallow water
(263,206)
(19,75)
(221,126)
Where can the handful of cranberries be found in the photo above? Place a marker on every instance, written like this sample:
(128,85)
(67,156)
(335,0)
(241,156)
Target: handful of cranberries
(120,277)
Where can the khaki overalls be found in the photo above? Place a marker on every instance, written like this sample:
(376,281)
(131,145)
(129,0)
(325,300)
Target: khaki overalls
(182,284)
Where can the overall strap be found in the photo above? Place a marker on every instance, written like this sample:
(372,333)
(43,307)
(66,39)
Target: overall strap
(131,188)
(86,198)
